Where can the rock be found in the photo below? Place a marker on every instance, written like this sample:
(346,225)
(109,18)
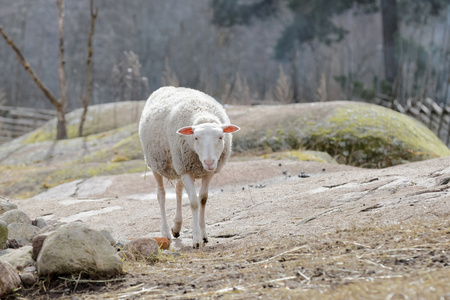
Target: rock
(108,236)
(143,248)
(3,234)
(40,222)
(171,254)
(22,233)
(28,278)
(12,243)
(20,258)
(74,248)
(6,205)
(355,133)
(37,243)
(6,251)
(120,245)
(9,280)
(30,269)
(125,255)
(15,216)
(47,229)
(163,243)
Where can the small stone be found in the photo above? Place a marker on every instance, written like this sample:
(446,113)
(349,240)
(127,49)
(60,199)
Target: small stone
(6,251)
(30,269)
(6,205)
(28,279)
(15,216)
(144,248)
(108,236)
(40,222)
(126,255)
(163,243)
(121,244)
(22,233)
(171,253)
(37,243)
(20,258)
(9,279)
(3,234)
(13,244)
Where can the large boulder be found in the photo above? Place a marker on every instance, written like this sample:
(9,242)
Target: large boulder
(74,248)
(9,279)
(354,133)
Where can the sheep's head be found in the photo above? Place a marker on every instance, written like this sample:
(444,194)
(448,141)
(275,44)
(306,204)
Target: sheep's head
(208,141)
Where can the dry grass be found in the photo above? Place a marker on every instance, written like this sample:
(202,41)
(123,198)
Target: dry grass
(405,261)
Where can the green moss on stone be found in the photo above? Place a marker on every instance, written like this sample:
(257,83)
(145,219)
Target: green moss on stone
(373,136)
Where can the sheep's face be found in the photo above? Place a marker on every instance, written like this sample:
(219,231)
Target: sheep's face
(208,142)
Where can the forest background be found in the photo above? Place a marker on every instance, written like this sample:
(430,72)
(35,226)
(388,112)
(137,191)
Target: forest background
(239,51)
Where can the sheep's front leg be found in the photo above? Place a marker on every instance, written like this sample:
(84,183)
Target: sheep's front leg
(188,182)
(203,195)
(161,193)
(176,228)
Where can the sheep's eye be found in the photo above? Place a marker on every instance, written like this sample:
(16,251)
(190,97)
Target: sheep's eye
(220,137)
(196,138)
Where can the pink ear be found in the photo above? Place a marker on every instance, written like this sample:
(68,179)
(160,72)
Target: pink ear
(185,130)
(230,128)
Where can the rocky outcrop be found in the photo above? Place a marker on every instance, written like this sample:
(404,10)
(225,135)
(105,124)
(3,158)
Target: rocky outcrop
(354,133)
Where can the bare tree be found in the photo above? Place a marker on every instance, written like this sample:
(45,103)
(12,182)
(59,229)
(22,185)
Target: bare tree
(86,99)
(58,104)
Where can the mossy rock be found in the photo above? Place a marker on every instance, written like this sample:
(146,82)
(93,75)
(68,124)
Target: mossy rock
(353,133)
(99,118)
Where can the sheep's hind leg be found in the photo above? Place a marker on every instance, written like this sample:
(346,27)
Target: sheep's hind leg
(178,220)
(203,195)
(188,182)
(161,193)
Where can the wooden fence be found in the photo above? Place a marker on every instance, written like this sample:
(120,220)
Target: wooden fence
(16,121)
(435,116)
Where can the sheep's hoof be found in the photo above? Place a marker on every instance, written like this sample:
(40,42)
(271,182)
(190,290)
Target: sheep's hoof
(175,234)
(205,240)
(196,246)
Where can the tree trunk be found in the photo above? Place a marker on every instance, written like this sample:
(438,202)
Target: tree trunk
(61,132)
(390,33)
(293,72)
(87,98)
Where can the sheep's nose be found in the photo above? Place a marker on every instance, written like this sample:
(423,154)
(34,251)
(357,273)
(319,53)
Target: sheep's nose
(209,162)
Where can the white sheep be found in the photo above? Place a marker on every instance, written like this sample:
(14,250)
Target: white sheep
(185,135)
